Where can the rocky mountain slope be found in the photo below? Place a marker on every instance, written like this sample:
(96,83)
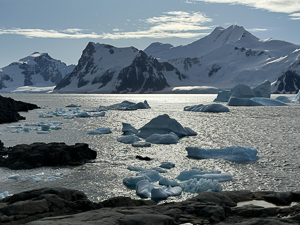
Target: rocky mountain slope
(35,70)
(107,69)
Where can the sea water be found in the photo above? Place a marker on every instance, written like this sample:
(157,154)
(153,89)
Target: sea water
(274,131)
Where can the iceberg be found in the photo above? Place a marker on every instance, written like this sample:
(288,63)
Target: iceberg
(131,182)
(268,102)
(242,91)
(129,139)
(199,174)
(285,99)
(168,182)
(153,175)
(143,188)
(126,105)
(14,176)
(163,124)
(170,138)
(101,130)
(263,89)
(73,106)
(202,185)
(127,129)
(135,168)
(167,165)
(233,153)
(4,194)
(216,108)
(223,96)
(141,144)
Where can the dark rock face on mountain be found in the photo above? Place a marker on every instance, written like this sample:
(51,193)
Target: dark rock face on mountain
(288,83)
(9,109)
(49,206)
(35,155)
(36,69)
(107,69)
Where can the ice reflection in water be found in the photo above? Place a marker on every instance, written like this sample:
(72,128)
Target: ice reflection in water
(274,131)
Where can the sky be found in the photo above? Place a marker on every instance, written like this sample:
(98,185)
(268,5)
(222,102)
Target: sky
(63,28)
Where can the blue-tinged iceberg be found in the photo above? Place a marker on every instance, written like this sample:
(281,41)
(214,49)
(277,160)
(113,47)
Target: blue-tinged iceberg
(216,108)
(233,153)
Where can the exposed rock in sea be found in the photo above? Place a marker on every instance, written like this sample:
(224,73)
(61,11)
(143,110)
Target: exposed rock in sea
(39,154)
(49,206)
(9,109)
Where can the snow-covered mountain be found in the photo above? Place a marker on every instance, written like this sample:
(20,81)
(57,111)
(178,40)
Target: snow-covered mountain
(34,71)
(232,56)
(107,69)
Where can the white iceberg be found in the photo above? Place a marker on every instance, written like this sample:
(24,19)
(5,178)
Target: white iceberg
(199,174)
(101,130)
(143,188)
(14,176)
(223,96)
(232,153)
(170,138)
(131,182)
(163,124)
(126,105)
(129,139)
(263,89)
(216,108)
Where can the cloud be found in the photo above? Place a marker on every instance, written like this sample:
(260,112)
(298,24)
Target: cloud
(282,6)
(295,16)
(257,29)
(171,24)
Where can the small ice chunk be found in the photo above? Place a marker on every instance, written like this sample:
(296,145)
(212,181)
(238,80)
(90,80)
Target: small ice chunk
(160,170)
(158,194)
(173,191)
(195,186)
(129,139)
(4,194)
(170,138)
(168,182)
(83,114)
(101,130)
(221,177)
(191,174)
(132,181)
(42,132)
(232,153)
(216,108)
(14,176)
(143,188)
(34,178)
(167,165)
(53,178)
(45,127)
(152,174)
(101,114)
(73,105)
(141,144)
(135,168)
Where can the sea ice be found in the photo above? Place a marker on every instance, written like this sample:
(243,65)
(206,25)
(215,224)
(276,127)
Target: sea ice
(143,188)
(197,173)
(101,130)
(167,165)
(202,185)
(126,105)
(129,139)
(207,108)
(232,153)
(132,181)
(153,175)
(170,138)
(127,129)
(163,124)
(141,144)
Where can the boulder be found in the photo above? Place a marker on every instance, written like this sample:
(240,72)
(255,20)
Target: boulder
(39,154)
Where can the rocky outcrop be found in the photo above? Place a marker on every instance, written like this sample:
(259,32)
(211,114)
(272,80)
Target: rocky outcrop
(38,154)
(9,109)
(63,206)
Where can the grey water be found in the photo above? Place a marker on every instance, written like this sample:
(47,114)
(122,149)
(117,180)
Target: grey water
(274,131)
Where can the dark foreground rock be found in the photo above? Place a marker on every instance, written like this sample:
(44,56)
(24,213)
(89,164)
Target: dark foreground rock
(63,206)
(9,109)
(40,154)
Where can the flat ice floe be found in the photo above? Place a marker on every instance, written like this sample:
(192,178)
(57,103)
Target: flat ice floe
(232,153)
(216,108)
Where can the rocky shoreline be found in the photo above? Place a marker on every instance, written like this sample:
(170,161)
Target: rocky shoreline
(49,206)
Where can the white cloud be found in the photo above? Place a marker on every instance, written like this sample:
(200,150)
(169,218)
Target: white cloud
(295,16)
(257,29)
(172,24)
(283,6)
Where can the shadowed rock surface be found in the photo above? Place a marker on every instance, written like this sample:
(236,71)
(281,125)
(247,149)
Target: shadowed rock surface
(40,154)
(49,206)
(9,109)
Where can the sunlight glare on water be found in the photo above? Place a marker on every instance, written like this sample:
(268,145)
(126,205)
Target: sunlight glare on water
(274,131)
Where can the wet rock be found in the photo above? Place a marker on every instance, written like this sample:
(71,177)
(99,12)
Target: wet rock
(39,154)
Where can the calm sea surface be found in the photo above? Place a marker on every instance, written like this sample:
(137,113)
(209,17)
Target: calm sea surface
(274,131)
